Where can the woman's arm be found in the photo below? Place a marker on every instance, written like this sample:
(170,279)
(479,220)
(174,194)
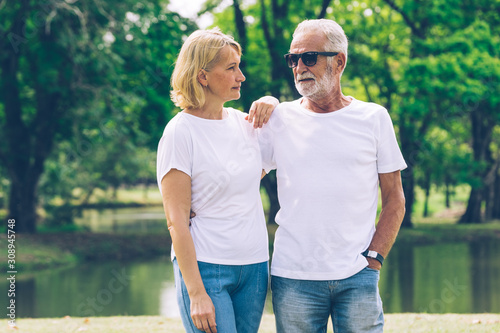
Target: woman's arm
(261,110)
(176,193)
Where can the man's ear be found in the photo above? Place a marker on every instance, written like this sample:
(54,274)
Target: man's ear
(341,62)
(202,77)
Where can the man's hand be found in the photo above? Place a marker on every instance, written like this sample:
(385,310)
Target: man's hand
(261,110)
(203,313)
(374,264)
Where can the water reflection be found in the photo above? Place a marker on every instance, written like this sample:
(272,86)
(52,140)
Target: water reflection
(439,278)
(104,289)
(442,278)
(134,219)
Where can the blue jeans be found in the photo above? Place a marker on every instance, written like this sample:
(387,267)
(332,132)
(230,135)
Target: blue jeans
(238,293)
(305,306)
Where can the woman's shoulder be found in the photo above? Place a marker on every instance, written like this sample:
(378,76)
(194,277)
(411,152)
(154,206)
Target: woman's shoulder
(177,125)
(232,112)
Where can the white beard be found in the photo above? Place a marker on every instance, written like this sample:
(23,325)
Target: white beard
(318,88)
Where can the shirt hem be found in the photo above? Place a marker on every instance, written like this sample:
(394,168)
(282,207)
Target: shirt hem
(229,262)
(392,168)
(323,276)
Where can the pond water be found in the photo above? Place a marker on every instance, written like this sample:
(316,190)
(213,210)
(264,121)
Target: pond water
(439,278)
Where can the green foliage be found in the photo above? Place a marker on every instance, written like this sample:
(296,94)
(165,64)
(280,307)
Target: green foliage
(93,83)
(432,64)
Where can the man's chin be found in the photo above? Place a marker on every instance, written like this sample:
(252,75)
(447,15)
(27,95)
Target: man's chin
(305,91)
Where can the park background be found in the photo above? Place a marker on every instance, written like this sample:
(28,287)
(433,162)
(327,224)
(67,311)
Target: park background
(84,99)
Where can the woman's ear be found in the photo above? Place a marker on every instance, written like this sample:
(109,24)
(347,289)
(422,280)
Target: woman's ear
(202,77)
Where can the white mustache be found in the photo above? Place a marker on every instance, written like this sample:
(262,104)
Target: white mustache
(305,76)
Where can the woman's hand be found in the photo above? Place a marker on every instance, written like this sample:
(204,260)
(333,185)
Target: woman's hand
(261,110)
(203,313)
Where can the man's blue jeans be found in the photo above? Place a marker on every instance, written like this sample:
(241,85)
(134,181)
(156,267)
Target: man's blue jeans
(238,293)
(305,306)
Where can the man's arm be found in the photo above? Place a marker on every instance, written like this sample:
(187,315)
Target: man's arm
(391,216)
(261,110)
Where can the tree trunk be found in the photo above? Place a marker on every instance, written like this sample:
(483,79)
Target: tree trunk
(409,192)
(482,130)
(495,214)
(473,212)
(277,44)
(427,194)
(324,7)
(408,176)
(447,194)
(22,205)
(27,146)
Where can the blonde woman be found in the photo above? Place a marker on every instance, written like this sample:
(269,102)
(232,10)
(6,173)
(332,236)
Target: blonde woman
(209,161)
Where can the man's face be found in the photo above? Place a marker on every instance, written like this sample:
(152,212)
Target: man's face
(312,81)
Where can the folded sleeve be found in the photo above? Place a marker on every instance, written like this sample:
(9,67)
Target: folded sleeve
(266,144)
(175,151)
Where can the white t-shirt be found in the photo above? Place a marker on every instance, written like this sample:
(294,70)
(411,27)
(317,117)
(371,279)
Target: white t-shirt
(223,159)
(327,168)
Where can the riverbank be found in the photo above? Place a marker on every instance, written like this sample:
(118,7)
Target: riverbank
(407,322)
(35,252)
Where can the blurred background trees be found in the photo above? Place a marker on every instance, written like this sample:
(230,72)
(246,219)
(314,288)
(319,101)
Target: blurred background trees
(85,90)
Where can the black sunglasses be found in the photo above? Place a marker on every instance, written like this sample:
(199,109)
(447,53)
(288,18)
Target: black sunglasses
(308,58)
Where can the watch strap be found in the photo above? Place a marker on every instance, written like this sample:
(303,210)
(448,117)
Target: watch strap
(375,255)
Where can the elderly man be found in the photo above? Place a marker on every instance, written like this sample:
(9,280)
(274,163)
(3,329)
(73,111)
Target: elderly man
(331,153)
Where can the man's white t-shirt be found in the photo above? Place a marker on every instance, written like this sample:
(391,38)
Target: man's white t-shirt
(327,168)
(223,159)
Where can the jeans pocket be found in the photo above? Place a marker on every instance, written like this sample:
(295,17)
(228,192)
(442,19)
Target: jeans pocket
(372,269)
(210,275)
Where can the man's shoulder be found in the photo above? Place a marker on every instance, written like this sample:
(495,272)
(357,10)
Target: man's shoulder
(288,105)
(368,106)
(369,110)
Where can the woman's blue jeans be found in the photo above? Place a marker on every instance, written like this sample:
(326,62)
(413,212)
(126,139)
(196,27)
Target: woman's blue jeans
(304,306)
(238,293)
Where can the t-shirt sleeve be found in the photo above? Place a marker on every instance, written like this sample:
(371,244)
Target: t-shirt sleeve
(389,156)
(266,144)
(175,151)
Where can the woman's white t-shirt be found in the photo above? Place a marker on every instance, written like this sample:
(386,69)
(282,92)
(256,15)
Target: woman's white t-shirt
(223,159)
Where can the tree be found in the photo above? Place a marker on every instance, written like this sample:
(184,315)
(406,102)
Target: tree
(57,59)
(409,56)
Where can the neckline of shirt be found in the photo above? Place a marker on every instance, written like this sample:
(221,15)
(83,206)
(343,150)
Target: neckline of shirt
(326,114)
(225,117)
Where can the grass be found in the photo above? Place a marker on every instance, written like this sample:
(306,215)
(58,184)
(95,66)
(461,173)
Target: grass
(427,233)
(136,196)
(52,250)
(33,256)
(409,322)
(437,208)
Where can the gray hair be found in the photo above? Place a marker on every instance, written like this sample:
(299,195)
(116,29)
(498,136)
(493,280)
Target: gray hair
(337,40)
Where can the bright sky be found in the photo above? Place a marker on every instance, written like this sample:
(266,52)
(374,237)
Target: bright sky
(189,8)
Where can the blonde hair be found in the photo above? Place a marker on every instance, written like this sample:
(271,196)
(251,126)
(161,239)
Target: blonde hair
(201,50)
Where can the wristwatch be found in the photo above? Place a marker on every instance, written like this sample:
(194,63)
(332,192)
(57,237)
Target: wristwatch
(374,255)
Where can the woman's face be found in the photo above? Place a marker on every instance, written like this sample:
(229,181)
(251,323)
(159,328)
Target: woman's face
(225,78)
